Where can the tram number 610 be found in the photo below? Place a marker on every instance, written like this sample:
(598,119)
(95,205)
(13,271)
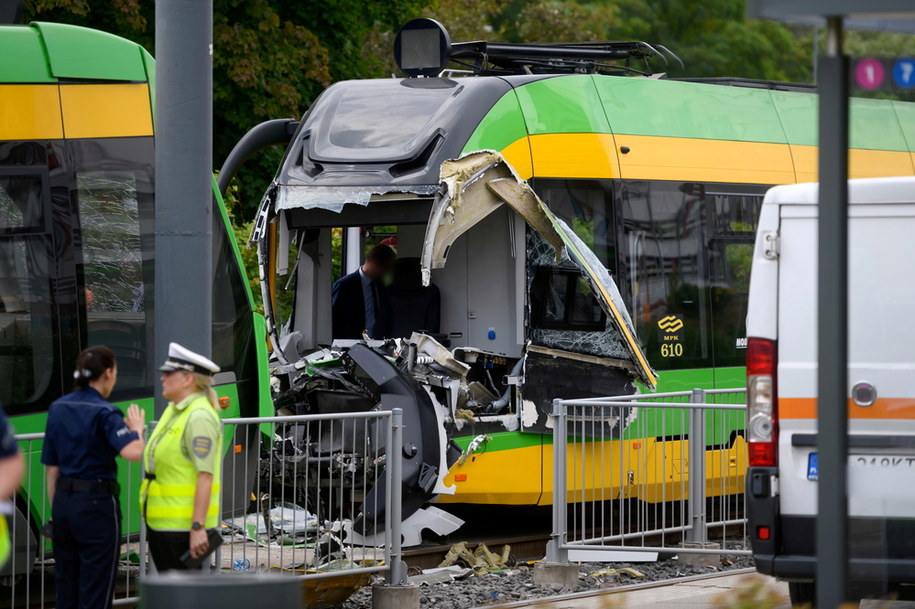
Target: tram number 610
(672,350)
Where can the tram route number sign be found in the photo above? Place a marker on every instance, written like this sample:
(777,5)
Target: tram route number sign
(883,73)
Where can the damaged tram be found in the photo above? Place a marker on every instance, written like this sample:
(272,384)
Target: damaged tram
(586,223)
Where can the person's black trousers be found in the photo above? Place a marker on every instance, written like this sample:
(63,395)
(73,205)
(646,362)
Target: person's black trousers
(167,548)
(86,530)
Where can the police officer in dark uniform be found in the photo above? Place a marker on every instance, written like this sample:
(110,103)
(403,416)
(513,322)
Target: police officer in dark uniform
(84,435)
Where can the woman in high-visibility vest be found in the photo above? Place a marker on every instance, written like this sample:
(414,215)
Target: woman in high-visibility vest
(180,493)
(11,470)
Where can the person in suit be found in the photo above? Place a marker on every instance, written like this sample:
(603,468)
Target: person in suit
(358,300)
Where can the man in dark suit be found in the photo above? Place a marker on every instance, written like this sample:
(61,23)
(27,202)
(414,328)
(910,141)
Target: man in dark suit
(358,300)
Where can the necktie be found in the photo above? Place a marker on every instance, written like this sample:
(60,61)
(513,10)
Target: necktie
(370,309)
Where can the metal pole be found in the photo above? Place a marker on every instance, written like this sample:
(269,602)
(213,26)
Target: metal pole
(832,326)
(353,258)
(184,195)
(554,551)
(396,574)
(698,531)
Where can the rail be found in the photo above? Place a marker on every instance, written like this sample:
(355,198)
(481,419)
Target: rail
(656,473)
(326,506)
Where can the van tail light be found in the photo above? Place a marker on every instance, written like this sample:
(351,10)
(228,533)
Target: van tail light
(762,403)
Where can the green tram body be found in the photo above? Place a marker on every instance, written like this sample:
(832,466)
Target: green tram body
(77,246)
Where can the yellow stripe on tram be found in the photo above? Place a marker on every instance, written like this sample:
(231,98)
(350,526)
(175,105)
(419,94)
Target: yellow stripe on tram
(121,110)
(594,156)
(30,112)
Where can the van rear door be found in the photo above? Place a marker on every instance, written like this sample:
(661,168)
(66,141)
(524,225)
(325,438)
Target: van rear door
(881,473)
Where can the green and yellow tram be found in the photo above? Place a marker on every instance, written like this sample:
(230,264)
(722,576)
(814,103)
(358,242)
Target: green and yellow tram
(77,206)
(660,179)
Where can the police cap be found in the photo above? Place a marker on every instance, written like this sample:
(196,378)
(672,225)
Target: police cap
(182,358)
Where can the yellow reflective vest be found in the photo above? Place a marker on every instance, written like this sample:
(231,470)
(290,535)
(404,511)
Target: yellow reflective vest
(4,540)
(167,492)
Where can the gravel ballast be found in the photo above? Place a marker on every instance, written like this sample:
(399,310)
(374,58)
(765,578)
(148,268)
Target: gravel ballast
(517,584)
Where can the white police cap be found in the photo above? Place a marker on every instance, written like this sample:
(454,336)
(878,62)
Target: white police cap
(182,358)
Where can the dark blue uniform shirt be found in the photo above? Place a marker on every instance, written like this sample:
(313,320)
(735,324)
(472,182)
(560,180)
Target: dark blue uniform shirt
(8,446)
(84,435)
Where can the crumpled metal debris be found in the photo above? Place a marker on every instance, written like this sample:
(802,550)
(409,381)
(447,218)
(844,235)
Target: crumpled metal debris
(614,572)
(481,560)
(439,575)
(473,447)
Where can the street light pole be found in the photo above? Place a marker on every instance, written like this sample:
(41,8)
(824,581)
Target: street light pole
(184,195)
(832,325)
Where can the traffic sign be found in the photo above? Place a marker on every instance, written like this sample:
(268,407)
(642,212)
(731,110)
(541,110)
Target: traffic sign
(869,74)
(904,73)
(883,73)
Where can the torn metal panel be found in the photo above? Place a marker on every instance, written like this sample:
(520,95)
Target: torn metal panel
(333,198)
(474,186)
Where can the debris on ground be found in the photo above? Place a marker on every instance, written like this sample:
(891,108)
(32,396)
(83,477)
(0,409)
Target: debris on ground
(480,560)
(480,587)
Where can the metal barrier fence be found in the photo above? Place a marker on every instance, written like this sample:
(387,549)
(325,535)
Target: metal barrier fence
(314,496)
(659,472)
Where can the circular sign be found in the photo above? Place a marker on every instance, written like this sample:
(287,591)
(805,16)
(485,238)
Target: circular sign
(869,73)
(904,73)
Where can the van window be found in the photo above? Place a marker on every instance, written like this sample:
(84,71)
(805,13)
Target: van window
(27,343)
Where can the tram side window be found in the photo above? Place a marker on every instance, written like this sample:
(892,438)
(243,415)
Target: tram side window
(562,299)
(586,206)
(109,208)
(232,326)
(26,322)
(663,232)
(730,253)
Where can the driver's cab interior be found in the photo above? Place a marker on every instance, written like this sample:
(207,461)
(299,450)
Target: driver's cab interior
(474,306)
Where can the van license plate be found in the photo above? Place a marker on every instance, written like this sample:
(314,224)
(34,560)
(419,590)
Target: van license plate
(868,461)
(812,473)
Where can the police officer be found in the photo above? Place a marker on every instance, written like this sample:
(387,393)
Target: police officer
(84,434)
(180,494)
(11,470)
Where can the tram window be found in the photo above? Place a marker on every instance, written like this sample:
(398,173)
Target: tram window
(114,191)
(232,328)
(586,206)
(663,232)
(27,345)
(113,269)
(730,253)
(561,299)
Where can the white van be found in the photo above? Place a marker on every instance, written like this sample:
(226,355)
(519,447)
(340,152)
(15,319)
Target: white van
(782,386)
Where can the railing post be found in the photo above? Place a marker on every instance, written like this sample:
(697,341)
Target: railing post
(554,550)
(698,531)
(396,573)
